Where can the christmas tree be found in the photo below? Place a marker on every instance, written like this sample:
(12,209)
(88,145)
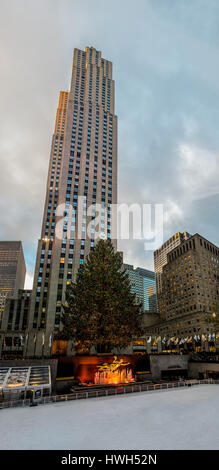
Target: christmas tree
(100,309)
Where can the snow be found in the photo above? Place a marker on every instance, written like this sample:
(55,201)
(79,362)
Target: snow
(184,418)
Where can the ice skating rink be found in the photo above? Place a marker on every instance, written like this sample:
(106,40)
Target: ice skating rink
(186,418)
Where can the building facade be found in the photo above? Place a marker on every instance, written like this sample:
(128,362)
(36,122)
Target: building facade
(14,325)
(81,187)
(143,284)
(12,271)
(189,301)
(190,279)
(160,259)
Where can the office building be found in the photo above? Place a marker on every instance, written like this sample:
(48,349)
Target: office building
(82,181)
(189,299)
(12,271)
(14,323)
(143,285)
(190,279)
(160,259)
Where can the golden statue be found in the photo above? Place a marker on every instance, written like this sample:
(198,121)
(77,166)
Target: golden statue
(106,367)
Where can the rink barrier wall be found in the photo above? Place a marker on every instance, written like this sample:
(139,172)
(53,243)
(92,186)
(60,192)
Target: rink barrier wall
(115,391)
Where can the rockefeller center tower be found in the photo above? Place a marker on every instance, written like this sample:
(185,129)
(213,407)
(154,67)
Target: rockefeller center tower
(82,181)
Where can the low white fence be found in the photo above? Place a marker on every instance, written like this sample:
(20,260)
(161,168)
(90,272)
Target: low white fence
(120,390)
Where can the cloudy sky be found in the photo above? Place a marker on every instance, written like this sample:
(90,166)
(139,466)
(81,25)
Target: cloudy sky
(166,67)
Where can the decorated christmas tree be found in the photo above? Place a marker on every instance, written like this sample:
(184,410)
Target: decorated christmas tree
(100,309)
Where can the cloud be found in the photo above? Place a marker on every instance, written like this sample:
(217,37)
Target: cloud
(166,68)
(199,172)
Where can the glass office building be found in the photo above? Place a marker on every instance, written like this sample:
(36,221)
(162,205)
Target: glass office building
(143,284)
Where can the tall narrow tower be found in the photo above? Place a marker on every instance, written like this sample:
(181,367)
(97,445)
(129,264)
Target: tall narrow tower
(82,183)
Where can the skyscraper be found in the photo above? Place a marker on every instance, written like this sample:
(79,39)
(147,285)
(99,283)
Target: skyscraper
(81,185)
(143,284)
(190,297)
(160,258)
(149,285)
(191,279)
(13,325)
(12,271)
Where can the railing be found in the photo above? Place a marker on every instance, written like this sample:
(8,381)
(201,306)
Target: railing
(108,392)
(14,403)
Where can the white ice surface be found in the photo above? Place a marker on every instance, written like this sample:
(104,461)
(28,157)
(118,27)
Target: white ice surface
(186,418)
